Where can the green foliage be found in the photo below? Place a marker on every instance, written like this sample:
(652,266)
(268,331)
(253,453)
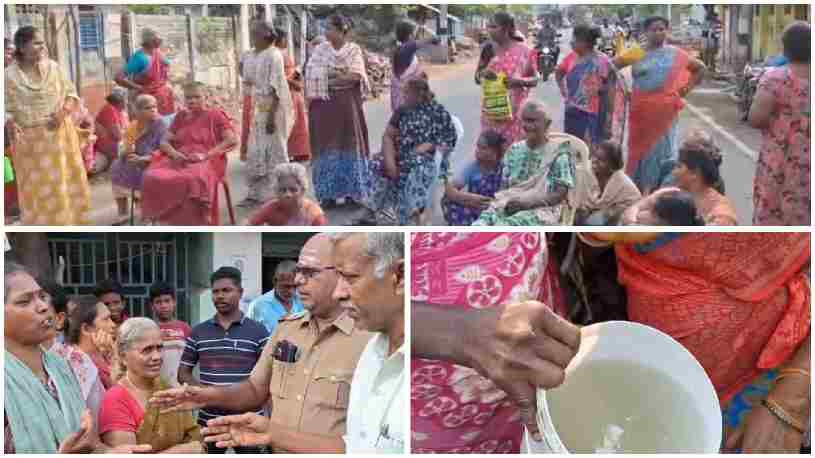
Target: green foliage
(146,9)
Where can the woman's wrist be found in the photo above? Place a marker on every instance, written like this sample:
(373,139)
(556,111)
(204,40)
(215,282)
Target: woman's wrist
(793,395)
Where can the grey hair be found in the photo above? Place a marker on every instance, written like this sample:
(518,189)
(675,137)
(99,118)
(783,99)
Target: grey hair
(534,106)
(131,331)
(148,35)
(285,267)
(385,247)
(294,170)
(143,100)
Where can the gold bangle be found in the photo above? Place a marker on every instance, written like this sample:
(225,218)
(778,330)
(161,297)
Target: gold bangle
(782,415)
(795,371)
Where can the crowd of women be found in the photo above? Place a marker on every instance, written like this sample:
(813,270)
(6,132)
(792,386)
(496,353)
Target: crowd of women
(619,159)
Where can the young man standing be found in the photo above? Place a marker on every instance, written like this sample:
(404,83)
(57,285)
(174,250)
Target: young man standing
(174,332)
(225,347)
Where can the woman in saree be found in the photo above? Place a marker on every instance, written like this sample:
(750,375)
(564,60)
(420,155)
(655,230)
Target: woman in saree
(78,350)
(614,193)
(740,303)
(272,115)
(39,98)
(180,185)
(420,128)
(697,173)
(126,418)
(512,57)
(111,123)
(290,206)
(782,110)
(538,174)
(662,78)
(336,82)
(583,79)
(43,411)
(299,140)
(405,62)
(148,72)
(453,408)
(141,139)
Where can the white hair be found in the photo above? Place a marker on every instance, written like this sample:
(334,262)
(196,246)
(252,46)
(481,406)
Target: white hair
(131,331)
(143,100)
(385,247)
(148,35)
(285,267)
(291,169)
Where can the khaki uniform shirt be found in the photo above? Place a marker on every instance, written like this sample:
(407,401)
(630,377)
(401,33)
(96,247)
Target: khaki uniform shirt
(312,394)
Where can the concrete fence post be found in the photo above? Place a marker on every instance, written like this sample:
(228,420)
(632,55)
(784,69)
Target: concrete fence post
(191,42)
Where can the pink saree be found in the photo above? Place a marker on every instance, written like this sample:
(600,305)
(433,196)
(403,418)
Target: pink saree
(453,409)
(184,194)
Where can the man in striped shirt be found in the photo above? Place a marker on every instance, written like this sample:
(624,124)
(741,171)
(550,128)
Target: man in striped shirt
(225,347)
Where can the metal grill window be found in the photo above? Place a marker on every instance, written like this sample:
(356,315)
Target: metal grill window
(136,264)
(90,31)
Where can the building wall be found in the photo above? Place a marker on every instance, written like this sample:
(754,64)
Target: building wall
(769,24)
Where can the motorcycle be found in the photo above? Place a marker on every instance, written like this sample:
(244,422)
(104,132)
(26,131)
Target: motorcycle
(548,54)
(749,85)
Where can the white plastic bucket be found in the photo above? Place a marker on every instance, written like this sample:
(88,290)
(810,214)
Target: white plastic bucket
(647,347)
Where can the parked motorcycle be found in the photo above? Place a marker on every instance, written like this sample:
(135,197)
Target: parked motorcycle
(749,85)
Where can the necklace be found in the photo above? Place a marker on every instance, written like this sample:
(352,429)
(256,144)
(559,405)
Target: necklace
(127,376)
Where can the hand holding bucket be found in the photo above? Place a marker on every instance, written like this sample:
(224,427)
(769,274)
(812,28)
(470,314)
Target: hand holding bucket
(658,379)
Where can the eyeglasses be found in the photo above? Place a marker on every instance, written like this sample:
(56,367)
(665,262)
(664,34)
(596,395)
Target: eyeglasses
(310,272)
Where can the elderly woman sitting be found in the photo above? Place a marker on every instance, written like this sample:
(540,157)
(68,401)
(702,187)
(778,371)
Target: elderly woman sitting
(44,411)
(180,185)
(142,138)
(614,193)
(697,173)
(290,207)
(539,174)
(125,417)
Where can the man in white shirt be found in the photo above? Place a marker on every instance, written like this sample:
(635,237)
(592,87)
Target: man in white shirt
(371,286)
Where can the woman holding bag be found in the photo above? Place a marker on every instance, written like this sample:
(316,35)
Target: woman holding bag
(515,61)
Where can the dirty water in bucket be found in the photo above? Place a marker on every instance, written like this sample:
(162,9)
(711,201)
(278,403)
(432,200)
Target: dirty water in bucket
(621,407)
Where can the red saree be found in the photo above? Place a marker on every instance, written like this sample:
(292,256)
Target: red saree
(740,302)
(273,214)
(155,81)
(185,194)
(299,140)
(655,107)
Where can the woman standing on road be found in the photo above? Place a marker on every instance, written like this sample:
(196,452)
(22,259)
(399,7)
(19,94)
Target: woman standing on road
(517,61)
(662,78)
(405,63)
(39,98)
(583,77)
(781,193)
(336,82)
(272,115)
(299,141)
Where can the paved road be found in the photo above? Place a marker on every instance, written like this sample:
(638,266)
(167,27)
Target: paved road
(455,89)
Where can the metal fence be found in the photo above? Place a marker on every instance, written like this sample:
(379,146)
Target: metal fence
(136,262)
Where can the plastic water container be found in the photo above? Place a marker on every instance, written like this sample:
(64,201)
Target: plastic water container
(685,390)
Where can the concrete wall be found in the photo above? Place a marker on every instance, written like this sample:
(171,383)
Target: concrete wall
(244,251)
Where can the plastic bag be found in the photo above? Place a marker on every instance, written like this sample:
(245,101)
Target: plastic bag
(497,102)
(8,170)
